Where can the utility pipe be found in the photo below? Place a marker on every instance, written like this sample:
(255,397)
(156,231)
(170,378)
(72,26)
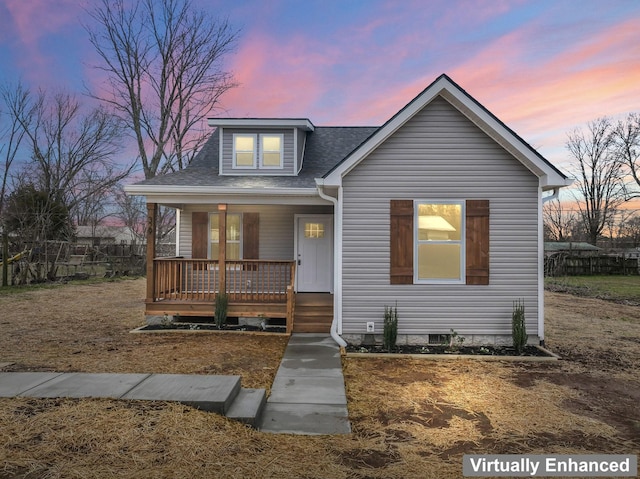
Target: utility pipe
(337,230)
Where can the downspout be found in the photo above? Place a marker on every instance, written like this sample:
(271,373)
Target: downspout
(337,261)
(553,196)
(544,199)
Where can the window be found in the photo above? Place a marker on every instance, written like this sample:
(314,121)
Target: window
(314,230)
(233,236)
(439,242)
(405,240)
(271,151)
(244,151)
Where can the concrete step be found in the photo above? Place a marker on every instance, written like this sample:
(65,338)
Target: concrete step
(248,406)
(208,393)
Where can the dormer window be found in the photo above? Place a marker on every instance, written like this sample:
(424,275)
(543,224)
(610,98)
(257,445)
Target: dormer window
(244,151)
(271,151)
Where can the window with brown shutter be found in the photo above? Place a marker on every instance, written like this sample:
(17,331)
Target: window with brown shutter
(477,236)
(401,242)
(403,238)
(250,236)
(199,234)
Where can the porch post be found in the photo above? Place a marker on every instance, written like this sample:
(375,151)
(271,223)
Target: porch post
(222,249)
(152,215)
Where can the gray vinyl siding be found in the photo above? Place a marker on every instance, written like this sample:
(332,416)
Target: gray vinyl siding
(440,155)
(276,230)
(288,152)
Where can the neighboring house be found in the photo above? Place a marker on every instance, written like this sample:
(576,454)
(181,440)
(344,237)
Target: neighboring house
(101,235)
(575,248)
(438,211)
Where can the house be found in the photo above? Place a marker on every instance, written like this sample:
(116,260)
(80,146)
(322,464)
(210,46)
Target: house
(439,211)
(104,235)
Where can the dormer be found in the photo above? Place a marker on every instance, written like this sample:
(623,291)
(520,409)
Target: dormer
(259,146)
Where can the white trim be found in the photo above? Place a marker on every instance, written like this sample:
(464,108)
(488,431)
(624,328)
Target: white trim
(220,150)
(444,87)
(178,229)
(234,165)
(302,123)
(462,242)
(261,150)
(540,268)
(295,151)
(301,159)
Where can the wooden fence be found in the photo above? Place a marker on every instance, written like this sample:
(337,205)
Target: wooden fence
(563,264)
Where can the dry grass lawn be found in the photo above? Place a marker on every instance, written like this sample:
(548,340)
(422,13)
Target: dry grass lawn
(411,418)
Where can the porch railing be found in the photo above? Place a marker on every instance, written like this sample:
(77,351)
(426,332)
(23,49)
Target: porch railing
(247,281)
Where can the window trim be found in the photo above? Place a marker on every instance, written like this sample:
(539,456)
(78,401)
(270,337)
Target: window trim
(462,242)
(262,151)
(255,148)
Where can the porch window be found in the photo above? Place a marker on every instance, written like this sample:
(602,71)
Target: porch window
(271,151)
(234,231)
(244,151)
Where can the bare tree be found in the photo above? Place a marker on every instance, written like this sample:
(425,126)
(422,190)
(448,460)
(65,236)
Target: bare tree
(599,175)
(15,99)
(558,220)
(164,69)
(630,230)
(626,136)
(72,153)
(132,212)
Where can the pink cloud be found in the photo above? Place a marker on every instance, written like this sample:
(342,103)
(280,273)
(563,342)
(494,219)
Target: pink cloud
(28,23)
(275,79)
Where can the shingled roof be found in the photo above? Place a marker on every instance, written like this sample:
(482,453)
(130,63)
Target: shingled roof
(326,147)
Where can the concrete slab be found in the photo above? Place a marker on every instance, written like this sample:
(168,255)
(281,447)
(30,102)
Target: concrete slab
(308,390)
(310,366)
(248,406)
(308,419)
(209,393)
(82,385)
(14,384)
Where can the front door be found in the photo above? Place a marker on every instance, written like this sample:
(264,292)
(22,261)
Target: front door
(314,251)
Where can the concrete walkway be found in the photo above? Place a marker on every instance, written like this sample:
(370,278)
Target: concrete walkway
(220,394)
(308,394)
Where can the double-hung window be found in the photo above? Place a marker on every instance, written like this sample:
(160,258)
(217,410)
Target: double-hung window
(244,151)
(439,242)
(234,230)
(271,151)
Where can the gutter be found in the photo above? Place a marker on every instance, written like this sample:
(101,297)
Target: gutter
(337,256)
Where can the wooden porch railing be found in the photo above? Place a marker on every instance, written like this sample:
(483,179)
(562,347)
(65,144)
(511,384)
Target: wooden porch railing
(259,281)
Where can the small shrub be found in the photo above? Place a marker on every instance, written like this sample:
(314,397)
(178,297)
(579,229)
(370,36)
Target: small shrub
(390,333)
(518,328)
(222,304)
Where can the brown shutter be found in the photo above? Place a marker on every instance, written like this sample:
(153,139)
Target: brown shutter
(401,242)
(477,236)
(199,234)
(250,236)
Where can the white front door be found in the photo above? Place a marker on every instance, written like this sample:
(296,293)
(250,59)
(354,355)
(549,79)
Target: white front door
(314,250)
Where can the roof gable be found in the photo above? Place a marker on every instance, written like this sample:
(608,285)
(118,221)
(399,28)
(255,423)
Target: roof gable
(443,86)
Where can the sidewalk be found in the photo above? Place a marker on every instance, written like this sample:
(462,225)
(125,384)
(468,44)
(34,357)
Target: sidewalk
(308,393)
(307,396)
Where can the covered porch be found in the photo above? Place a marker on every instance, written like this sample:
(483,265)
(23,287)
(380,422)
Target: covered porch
(188,284)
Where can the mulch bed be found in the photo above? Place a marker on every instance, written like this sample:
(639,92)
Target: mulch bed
(442,349)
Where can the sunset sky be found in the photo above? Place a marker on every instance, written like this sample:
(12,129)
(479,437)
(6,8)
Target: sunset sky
(543,67)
